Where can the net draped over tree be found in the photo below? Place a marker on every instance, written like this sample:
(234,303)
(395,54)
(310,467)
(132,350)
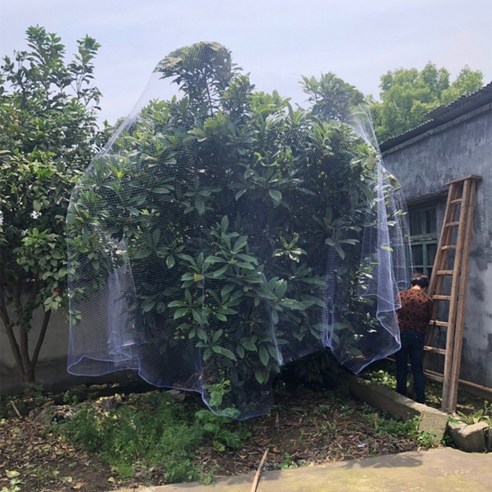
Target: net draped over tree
(223,233)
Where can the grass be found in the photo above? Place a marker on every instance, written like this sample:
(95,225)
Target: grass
(150,431)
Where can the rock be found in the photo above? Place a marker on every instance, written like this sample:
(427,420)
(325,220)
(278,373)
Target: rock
(469,438)
(489,438)
(176,395)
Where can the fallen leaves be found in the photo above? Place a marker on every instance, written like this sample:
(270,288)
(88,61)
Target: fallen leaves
(12,473)
(312,428)
(30,451)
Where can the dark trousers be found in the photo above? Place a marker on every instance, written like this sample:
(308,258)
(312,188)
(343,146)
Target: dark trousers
(412,348)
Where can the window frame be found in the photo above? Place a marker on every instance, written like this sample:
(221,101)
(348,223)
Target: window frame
(425,238)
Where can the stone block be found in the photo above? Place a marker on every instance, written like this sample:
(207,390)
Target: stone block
(469,437)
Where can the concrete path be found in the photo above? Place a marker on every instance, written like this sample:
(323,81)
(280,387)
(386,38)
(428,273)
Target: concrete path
(436,470)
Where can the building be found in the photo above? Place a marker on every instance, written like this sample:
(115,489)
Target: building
(455,142)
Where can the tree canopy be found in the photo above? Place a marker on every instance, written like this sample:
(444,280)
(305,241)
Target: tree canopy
(207,227)
(408,94)
(48,136)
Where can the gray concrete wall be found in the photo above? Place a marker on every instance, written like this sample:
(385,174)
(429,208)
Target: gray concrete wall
(424,165)
(52,366)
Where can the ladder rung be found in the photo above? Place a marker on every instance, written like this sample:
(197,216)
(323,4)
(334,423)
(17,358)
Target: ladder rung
(435,322)
(438,297)
(457,200)
(444,272)
(472,177)
(435,350)
(455,223)
(448,246)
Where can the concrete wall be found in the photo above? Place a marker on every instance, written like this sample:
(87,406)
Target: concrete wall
(424,165)
(52,365)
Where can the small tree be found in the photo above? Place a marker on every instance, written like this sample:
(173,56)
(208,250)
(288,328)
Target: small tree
(209,225)
(48,135)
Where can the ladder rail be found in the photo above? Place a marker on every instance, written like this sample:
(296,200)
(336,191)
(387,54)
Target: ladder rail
(461,299)
(457,228)
(453,303)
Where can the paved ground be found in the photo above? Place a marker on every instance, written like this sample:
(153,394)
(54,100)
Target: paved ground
(436,470)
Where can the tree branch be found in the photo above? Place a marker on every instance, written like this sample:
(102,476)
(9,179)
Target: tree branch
(23,336)
(39,343)
(14,346)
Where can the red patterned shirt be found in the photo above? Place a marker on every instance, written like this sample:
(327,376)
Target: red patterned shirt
(415,312)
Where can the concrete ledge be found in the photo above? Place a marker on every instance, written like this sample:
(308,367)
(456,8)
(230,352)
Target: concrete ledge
(430,420)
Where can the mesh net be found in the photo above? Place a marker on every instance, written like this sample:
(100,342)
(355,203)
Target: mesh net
(224,232)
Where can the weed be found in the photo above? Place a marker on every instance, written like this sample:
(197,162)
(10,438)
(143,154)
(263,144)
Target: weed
(155,432)
(382,377)
(474,418)
(427,439)
(70,399)
(324,408)
(384,424)
(287,462)
(14,486)
(208,478)
(215,427)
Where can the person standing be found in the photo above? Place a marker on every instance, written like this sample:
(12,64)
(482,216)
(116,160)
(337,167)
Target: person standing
(413,319)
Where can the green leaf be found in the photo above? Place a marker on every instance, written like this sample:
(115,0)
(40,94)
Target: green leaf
(202,335)
(227,289)
(275,195)
(224,223)
(176,304)
(170,261)
(239,194)
(225,352)
(217,335)
(200,205)
(207,354)
(264,356)
(218,273)
(156,236)
(179,313)
(261,375)
(241,242)
(250,344)
(141,254)
(197,316)
(161,190)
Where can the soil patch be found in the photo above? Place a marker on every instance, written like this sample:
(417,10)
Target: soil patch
(304,427)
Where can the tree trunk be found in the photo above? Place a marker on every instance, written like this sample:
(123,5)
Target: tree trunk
(19,345)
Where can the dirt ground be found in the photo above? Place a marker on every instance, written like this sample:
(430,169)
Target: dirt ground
(301,429)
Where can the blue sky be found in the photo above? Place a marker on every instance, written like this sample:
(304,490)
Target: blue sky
(276,41)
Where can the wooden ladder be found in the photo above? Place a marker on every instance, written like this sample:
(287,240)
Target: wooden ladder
(448,285)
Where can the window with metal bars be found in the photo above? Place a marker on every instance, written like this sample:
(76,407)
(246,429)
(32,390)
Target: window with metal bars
(423,235)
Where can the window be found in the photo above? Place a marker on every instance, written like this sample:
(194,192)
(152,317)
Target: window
(423,234)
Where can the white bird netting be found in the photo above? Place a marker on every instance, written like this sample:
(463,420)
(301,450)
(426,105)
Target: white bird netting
(224,232)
